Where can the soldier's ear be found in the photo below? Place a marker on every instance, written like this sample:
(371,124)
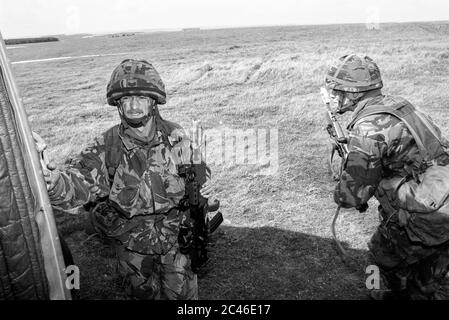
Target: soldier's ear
(153,111)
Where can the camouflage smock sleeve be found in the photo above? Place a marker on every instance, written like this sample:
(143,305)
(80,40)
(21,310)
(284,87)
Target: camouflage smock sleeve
(363,166)
(84,180)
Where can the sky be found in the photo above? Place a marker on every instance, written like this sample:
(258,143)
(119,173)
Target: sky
(19,18)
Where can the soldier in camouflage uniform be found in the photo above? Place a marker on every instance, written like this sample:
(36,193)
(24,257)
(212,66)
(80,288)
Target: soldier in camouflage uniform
(130,172)
(398,155)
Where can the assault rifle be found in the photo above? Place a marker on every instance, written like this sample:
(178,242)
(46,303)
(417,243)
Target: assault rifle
(194,241)
(339,145)
(336,133)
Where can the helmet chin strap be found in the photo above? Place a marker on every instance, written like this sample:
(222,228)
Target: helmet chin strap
(136,123)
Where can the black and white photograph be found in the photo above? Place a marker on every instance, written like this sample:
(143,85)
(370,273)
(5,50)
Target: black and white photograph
(244,152)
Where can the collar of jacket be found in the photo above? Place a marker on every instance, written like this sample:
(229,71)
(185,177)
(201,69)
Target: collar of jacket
(131,140)
(371,99)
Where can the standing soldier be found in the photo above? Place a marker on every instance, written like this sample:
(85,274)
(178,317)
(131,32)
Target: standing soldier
(130,175)
(398,155)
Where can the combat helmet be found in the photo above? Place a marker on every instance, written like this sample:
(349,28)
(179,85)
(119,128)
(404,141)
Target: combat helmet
(353,74)
(135,77)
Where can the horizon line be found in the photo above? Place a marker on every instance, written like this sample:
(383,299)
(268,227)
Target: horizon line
(177,29)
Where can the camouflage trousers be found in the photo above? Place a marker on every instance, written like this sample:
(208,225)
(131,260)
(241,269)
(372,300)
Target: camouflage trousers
(158,277)
(410,269)
(148,253)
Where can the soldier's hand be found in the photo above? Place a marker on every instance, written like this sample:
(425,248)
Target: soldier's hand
(339,199)
(51,176)
(97,192)
(208,189)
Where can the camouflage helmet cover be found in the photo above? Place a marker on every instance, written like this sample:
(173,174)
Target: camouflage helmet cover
(135,77)
(353,74)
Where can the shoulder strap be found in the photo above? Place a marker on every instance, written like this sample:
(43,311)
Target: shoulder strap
(427,139)
(113,152)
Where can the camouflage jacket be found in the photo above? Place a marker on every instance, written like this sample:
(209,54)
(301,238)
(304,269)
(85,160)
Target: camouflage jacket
(380,146)
(145,186)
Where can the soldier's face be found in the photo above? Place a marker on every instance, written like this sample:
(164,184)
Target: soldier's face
(337,99)
(343,101)
(135,107)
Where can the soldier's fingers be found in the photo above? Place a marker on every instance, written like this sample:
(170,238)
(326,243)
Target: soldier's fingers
(51,166)
(94,189)
(209,188)
(206,190)
(46,173)
(208,182)
(48,180)
(51,177)
(206,194)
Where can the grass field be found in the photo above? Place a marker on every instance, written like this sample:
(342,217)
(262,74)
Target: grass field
(276,241)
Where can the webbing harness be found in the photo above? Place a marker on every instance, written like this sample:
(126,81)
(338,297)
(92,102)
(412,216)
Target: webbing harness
(428,140)
(115,147)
